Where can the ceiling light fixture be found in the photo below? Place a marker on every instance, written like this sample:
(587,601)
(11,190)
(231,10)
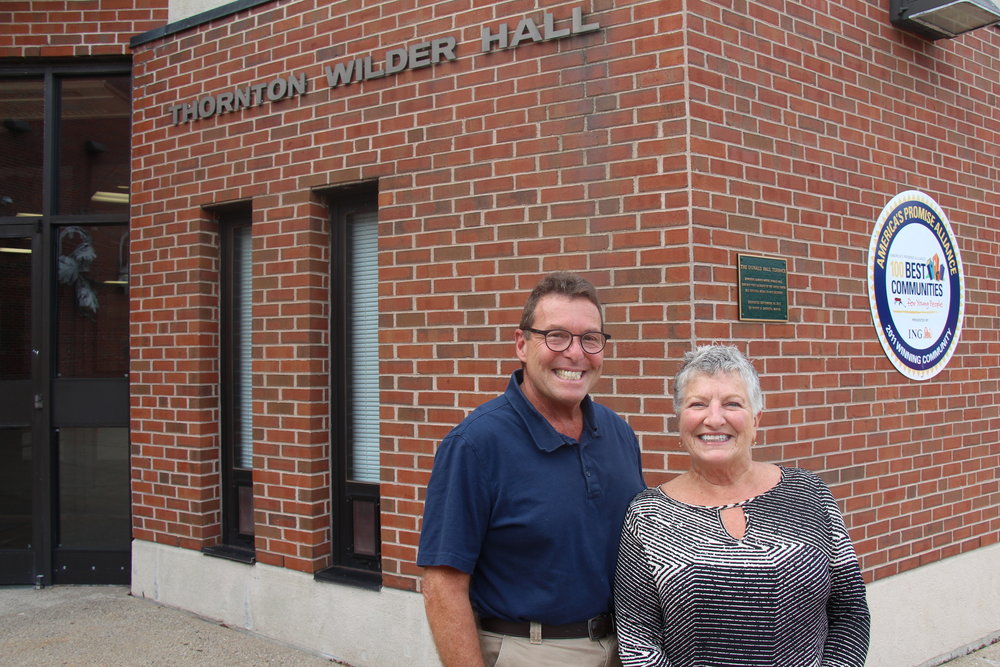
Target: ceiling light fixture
(110,197)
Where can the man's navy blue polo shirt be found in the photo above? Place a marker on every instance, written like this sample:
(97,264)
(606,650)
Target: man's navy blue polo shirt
(533,515)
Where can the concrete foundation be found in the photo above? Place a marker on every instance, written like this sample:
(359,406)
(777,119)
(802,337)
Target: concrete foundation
(922,617)
(360,627)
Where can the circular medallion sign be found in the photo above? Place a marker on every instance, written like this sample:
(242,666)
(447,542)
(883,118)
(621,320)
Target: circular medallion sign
(916,288)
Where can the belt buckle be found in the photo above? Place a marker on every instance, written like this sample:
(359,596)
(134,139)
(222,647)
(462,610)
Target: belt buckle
(597,627)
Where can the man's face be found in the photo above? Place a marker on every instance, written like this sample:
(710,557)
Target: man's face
(557,381)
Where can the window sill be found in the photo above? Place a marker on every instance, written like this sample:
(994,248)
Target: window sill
(229,552)
(350,576)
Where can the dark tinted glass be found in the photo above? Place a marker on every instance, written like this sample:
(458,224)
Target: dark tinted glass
(92,319)
(94,488)
(21,147)
(94,145)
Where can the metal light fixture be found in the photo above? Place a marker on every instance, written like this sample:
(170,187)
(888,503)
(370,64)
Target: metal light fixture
(942,19)
(92,147)
(16,125)
(122,278)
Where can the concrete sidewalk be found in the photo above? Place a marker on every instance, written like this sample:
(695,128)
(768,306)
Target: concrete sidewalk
(104,625)
(984,657)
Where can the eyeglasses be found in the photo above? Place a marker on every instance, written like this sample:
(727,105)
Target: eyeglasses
(559,340)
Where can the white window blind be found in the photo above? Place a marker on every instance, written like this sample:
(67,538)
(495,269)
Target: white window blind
(243,330)
(363,230)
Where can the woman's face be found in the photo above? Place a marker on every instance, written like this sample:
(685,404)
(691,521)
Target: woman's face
(717,426)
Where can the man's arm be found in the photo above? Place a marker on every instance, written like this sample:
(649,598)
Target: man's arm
(449,612)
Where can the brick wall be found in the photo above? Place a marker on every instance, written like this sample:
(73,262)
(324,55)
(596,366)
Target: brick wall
(645,155)
(75,28)
(806,119)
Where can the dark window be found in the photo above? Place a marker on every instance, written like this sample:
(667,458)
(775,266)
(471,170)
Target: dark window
(92,301)
(77,121)
(93,151)
(354,386)
(236,382)
(22,144)
(16,442)
(93,500)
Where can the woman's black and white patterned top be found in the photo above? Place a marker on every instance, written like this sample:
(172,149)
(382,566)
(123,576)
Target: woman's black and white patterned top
(788,594)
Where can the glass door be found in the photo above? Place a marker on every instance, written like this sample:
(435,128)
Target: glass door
(64,396)
(19,407)
(91,499)
(64,445)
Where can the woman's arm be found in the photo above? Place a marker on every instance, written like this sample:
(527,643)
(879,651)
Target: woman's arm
(638,617)
(847,609)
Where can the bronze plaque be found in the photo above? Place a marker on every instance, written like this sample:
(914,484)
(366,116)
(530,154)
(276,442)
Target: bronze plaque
(763,289)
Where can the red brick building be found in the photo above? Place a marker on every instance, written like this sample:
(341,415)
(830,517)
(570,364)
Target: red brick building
(337,209)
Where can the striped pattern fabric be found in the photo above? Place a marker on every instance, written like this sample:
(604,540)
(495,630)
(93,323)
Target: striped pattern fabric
(788,594)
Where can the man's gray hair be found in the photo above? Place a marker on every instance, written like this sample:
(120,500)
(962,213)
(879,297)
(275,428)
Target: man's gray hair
(715,359)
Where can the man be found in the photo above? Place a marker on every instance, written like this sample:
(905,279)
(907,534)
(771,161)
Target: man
(525,502)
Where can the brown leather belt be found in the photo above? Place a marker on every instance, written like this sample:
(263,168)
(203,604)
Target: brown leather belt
(594,628)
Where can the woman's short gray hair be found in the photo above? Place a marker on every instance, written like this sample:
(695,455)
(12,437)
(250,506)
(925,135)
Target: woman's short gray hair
(714,359)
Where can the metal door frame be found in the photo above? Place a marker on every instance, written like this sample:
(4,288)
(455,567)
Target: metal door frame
(44,438)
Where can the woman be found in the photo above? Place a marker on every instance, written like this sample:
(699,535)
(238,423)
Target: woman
(736,562)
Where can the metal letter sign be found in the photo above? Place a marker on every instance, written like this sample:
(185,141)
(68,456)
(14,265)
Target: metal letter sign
(376,66)
(916,286)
